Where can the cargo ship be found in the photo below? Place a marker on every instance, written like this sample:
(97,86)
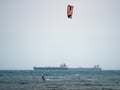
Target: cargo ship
(61,67)
(94,68)
(64,67)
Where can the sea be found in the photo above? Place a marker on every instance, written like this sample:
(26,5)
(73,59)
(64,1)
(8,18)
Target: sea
(59,80)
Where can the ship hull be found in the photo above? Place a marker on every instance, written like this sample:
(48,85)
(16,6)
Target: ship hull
(59,68)
(49,68)
(86,69)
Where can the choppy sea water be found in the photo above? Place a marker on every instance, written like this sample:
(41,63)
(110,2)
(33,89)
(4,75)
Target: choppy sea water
(59,80)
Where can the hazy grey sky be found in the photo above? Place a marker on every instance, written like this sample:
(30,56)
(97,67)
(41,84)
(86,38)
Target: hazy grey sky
(38,33)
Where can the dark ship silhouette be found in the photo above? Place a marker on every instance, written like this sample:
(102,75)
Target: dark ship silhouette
(64,67)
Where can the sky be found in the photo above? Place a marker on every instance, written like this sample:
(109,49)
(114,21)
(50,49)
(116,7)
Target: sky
(38,33)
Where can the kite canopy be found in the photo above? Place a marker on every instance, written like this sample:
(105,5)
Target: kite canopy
(69,11)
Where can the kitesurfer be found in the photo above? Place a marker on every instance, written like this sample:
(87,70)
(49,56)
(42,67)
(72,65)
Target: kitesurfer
(43,78)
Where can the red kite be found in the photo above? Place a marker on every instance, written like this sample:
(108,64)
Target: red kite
(69,11)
